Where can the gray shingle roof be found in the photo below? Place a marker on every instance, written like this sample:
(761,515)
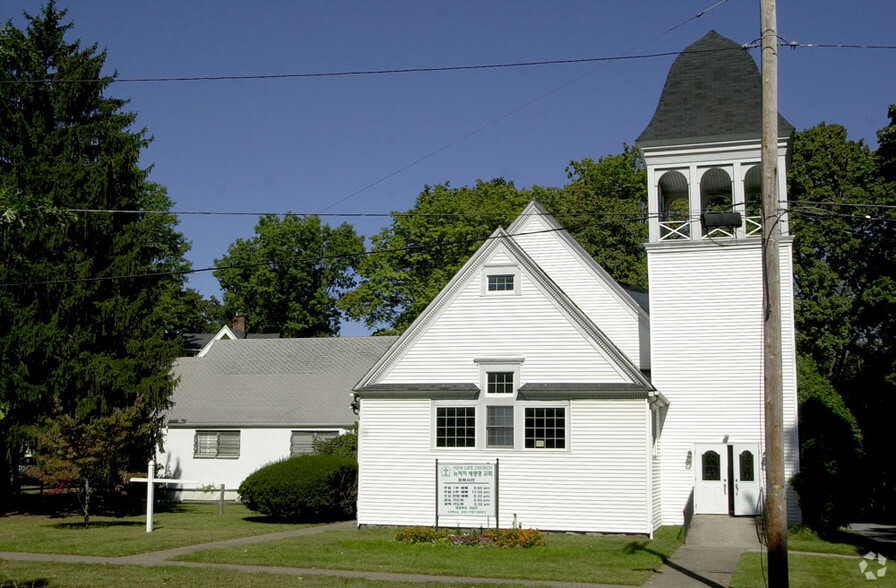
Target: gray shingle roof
(713,89)
(273,382)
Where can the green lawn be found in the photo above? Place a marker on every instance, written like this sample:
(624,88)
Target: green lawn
(15,574)
(571,558)
(841,542)
(809,571)
(814,570)
(177,525)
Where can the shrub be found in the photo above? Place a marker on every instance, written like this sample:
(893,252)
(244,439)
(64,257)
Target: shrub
(504,538)
(830,453)
(345,445)
(307,488)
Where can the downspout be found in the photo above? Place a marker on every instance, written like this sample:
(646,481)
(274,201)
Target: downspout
(648,434)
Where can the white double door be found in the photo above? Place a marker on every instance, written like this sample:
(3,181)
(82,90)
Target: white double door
(728,479)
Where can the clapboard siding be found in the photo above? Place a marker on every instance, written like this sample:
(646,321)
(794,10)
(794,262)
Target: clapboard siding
(600,483)
(597,297)
(258,447)
(530,324)
(707,355)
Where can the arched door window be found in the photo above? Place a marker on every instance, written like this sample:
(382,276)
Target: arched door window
(711,465)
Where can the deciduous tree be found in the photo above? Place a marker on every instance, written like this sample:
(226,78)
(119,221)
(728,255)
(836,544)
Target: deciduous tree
(845,277)
(411,260)
(287,278)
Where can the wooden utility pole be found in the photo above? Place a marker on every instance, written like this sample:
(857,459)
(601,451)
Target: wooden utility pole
(775,484)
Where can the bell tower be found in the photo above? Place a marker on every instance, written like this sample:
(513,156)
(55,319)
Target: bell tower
(702,152)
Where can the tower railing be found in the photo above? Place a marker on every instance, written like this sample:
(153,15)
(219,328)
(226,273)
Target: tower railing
(675,229)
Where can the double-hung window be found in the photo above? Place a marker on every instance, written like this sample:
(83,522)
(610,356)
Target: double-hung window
(216,444)
(499,426)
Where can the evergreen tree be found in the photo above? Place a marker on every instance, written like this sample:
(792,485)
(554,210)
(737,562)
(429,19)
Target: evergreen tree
(81,340)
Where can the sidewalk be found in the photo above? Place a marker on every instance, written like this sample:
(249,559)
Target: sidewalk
(709,558)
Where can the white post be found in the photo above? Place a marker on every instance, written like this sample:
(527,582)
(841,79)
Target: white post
(150,494)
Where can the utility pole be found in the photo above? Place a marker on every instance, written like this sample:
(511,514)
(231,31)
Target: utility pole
(775,484)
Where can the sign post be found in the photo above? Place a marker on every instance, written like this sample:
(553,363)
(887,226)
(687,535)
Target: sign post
(467,489)
(151,481)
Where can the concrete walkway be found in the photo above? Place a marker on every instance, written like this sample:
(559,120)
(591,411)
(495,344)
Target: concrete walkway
(710,555)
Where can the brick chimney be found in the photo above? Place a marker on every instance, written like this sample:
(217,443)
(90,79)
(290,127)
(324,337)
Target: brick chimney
(239,324)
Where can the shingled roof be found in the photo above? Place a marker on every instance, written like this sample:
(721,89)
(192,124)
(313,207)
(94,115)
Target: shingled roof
(713,90)
(273,382)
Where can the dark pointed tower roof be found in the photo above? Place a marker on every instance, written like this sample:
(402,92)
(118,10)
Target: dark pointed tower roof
(713,90)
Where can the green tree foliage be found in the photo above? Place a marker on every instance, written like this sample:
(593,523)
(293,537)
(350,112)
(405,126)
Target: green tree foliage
(830,452)
(193,313)
(411,260)
(415,257)
(288,277)
(845,277)
(87,456)
(605,207)
(345,445)
(79,341)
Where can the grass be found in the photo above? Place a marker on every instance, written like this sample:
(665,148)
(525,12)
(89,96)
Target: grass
(566,558)
(814,570)
(808,571)
(840,542)
(58,575)
(176,526)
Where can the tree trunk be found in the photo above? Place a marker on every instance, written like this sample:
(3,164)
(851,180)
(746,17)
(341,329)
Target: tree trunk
(85,503)
(6,497)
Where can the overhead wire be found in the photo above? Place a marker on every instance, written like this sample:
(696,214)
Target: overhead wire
(791,203)
(624,55)
(632,217)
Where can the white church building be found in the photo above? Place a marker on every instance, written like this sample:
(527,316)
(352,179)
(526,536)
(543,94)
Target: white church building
(594,414)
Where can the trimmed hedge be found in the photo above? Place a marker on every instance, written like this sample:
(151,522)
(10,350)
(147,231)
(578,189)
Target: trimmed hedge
(304,489)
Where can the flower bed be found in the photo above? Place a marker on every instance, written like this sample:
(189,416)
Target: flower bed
(504,538)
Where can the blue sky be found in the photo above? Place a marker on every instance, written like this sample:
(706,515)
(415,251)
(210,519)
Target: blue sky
(302,145)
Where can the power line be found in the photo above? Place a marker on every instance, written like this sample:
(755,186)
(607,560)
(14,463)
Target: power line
(640,218)
(315,258)
(439,69)
(352,73)
(520,108)
(792,203)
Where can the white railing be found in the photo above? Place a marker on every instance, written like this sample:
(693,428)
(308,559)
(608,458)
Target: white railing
(753,226)
(675,229)
(719,233)
(671,230)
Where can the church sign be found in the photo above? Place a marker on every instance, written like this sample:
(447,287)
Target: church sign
(466,489)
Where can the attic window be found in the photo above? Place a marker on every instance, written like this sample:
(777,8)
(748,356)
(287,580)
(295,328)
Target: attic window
(500,280)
